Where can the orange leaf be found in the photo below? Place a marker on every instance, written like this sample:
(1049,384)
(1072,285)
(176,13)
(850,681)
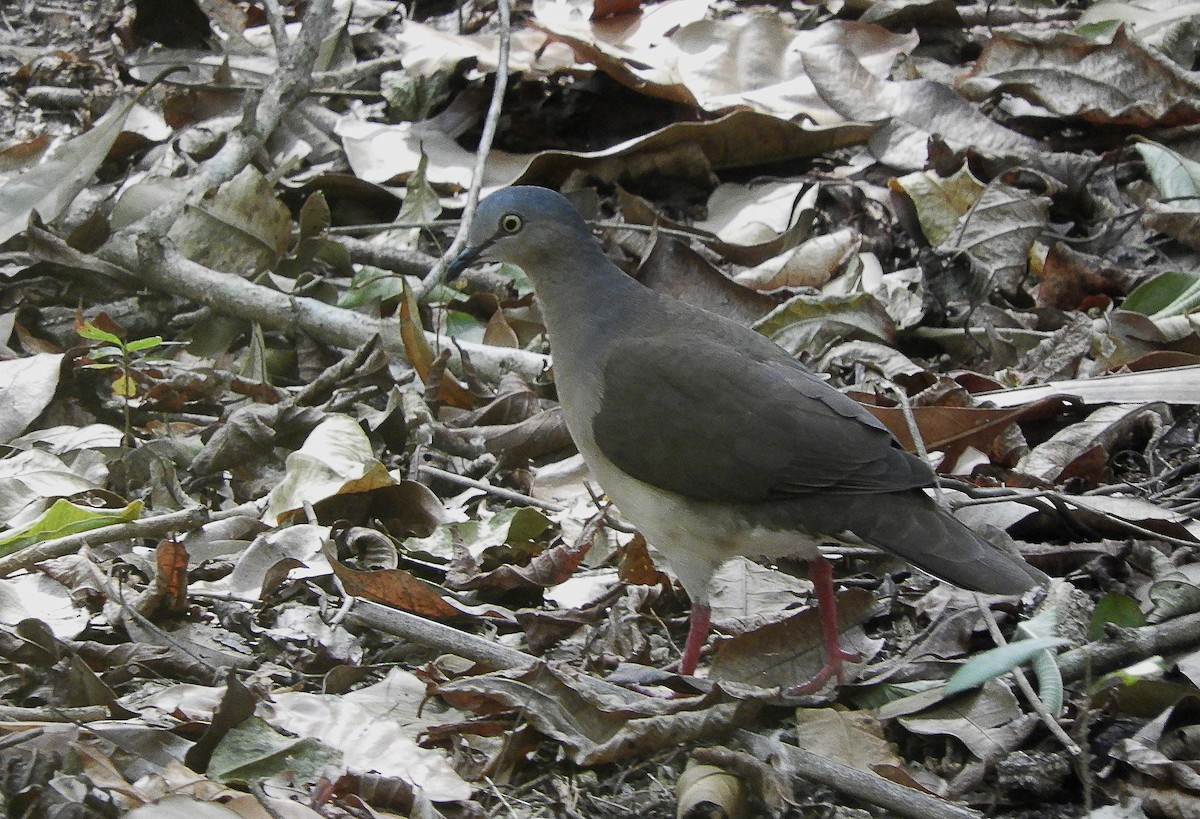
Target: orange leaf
(420,355)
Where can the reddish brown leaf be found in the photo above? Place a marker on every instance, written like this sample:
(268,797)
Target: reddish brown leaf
(1069,278)
(615,8)
(952,429)
(396,588)
(171,559)
(636,565)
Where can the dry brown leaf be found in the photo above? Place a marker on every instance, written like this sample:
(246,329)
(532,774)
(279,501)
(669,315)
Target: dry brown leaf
(592,731)
(1119,82)
(1104,428)
(707,789)
(394,587)
(952,429)
(788,653)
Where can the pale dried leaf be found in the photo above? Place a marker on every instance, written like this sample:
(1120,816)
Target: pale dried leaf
(27,385)
(812,264)
(1103,428)
(1117,82)
(980,720)
(335,458)
(49,186)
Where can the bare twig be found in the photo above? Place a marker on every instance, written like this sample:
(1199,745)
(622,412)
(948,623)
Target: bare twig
(438,636)
(1129,645)
(1064,503)
(283,90)
(914,432)
(50,713)
(1031,696)
(275,19)
(342,77)
(485,145)
(397,260)
(498,491)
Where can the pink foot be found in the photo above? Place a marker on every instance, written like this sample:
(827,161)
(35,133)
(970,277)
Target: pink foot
(821,574)
(699,622)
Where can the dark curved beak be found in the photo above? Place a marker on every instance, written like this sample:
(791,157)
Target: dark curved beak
(467,257)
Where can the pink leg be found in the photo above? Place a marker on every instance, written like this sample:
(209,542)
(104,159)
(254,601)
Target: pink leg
(698,625)
(821,574)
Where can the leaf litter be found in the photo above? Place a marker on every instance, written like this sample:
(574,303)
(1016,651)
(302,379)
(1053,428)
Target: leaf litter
(254,570)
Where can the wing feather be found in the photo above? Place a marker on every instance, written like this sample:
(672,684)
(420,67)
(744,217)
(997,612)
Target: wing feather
(695,416)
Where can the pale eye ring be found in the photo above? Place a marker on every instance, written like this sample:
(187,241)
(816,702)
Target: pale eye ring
(511,223)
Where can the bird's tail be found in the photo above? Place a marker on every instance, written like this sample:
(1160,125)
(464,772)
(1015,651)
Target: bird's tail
(911,525)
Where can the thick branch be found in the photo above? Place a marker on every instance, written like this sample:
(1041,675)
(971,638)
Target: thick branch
(1129,646)
(232,295)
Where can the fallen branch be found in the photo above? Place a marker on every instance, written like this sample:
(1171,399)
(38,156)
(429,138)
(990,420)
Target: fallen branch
(150,527)
(1127,646)
(862,785)
(166,270)
(49,713)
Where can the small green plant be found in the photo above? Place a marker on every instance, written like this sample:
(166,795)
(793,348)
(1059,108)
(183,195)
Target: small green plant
(125,358)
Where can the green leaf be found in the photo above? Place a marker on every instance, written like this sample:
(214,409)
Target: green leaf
(1044,665)
(516,275)
(89,330)
(124,386)
(1176,177)
(1118,609)
(147,343)
(998,661)
(526,525)
(1175,293)
(65,518)
(1100,31)
(372,284)
(464,326)
(254,751)
(1049,681)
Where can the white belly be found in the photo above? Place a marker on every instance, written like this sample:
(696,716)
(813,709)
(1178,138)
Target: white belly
(696,537)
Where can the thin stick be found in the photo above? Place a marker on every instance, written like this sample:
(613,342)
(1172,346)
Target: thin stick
(498,491)
(914,432)
(990,619)
(1023,683)
(481,154)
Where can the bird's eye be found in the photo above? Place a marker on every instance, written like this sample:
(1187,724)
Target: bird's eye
(510,223)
